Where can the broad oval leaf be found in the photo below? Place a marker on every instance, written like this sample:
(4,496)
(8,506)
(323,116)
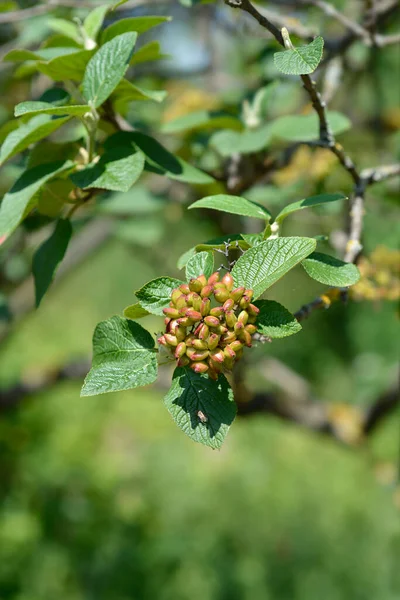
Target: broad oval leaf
(203,119)
(227,142)
(234,205)
(117,170)
(330,270)
(274,320)
(94,20)
(204,409)
(46,108)
(135,311)
(68,66)
(185,257)
(48,257)
(124,357)
(263,265)
(305,128)
(200,264)
(253,239)
(36,129)
(302,60)
(106,68)
(127,92)
(136,24)
(308,203)
(148,52)
(66,28)
(156,294)
(22,197)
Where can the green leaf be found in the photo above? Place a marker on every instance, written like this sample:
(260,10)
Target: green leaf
(22,55)
(192,396)
(234,205)
(228,142)
(200,264)
(274,320)
(148,52)
(48,256)
(156,294)
(140,201)
(253,239)
(261,266)
(22,197)
(307,203)
(124,357)
(66,28)
(36,129)
(137,24)
(330,270)
(305,128)
(69,66)
(93,22)
(188,174)
(149,146)
(106,68)
(203,119)
(135,311)
(185,257)
(234,240)
(127,92)
(117,170)
(302,60)
(33,108)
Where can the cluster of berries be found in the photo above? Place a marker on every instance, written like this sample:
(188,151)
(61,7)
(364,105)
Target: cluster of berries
(208,323)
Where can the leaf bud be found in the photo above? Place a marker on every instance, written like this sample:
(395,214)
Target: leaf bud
(199,367)
(205,306)
(221,295)
(213,341)
(237,293)
(228,281)
(180,350)
(217,311)
(171,339)
(214,278)
(228,304)
(206,291)
(195,285)
(204,332)
(243,317)
(230,319)
(211,321)
(171,312)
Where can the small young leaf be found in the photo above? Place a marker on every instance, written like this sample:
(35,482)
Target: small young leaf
(200,264)
(185,257)
(127,92)
(150,146)
(302,60)
(106,68)
(261,266)
(148,52)
(117,170)
(137,24)
(65,27)
(48,256)
(22,55)
(203,119)
(234,205)
(307,203)
(36,129)
(135,311)
(32,108)
(227,142)
(124,357)
(22,197)
(93,22)
(69,66)
(330,270)
(274,320)
(188,174)
(305,128)
(204,409)
(253,239)
(156,294)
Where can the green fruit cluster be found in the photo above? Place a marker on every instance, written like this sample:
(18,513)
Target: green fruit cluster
(208,323)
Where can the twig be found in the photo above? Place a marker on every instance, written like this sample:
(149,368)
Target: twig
(331,11)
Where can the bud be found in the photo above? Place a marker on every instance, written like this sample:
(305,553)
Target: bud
(228,338)
(228,281)
(251,329)
(199,344)
(183,361)
(175,295)
(220,287)
(206,291)
(221,295)
(243,317)
(217,355)
(180,350)
(237,293)
(211,321)
(171,312)
(212,374)
(195,285)
(185,321)
(202,279)
(204,332)
(197,303)
(198,329)
(173,325)
(238,327)
(246,338)
(217,311)
(249,294)
(228,304)
(167,321)
(189,298)
(200,355)
(161,340)
(199,367)
(171,339)
(184,288)
(180,333)
(180,302)
(245,301)
(230,319)
(214,365)
(205,306)
(193,314)
(213,340)
(190,339)
(236,346)
(253,310)
(229,353)
(221,329)
(214,278)
(251,318)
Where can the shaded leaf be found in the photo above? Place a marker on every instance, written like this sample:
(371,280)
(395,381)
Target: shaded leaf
(228,142)
(117,170)
(191,394)
(69,66)
(148,52)
(308,203)
(93,22)
(274,320)
(22,55)
(200,264)
(32,108)
(124,357)
(234,205)
(48,256)
(138,201)
(136,24)
(203,119)
(135,311)
(304,128)
(302,60)
(261,266)
(330,270)
(126,92)
(106,68)
(185,257)
(156,294)
(66,28)
(253,239)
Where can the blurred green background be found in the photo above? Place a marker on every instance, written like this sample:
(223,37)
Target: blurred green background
(103,498)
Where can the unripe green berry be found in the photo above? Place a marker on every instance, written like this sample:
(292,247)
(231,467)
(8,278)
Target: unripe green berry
(193,314)
(202,279)
(221,295)
(173,313)
(180,302)
(171,339)
(161,340)
(184,288)
(237,293)
(221,329)
(184,321)
(213,341)
(190,339)
(236,346)
(175,295)
(253,310)
(239,326)
(195,285)
(211,321)
(228,305)
(228,281)
(197,303)
(217,355)
(200,344)
(230,319)
(249,294)
(217,311)
(180,350)
(229,353)
(228,338)
(180,333)
(205,307)
(243,317)
(244,302)
(212,374)
(251,329)
(204,332)
(200,355)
